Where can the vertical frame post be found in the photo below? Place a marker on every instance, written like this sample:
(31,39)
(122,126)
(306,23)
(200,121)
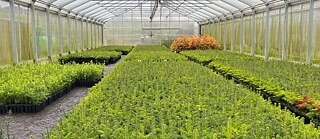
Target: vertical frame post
(285,31)
(91,34)
(199,28)
(266,54)
(132,27)
(232,33)
(141,34)
(102,34)
(278,34)
(300,33)
(49,34)
(33,26)
(95,34)
(208,32)
(76,32)
(113,31)
(60,33)
(241,33)
(310,29)
(19,28)
(225,34)
(212,33)
(87,33)
(13,33)
(122,29)
(179,22)
(82,35)
(188,29)
(69,33)
(219,31)
(253,31)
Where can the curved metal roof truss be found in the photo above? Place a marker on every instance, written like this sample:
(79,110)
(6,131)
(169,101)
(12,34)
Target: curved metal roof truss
(197,10)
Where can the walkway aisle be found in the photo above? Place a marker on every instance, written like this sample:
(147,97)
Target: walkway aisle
(25,125)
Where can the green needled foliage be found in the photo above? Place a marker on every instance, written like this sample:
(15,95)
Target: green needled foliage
(153,53)
(95,56)
(175,99)
(295,83)
(123,49)
(33,83)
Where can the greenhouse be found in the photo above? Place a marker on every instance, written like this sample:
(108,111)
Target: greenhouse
(160,69)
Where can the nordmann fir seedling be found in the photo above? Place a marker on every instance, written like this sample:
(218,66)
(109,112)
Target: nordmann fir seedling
(175,99)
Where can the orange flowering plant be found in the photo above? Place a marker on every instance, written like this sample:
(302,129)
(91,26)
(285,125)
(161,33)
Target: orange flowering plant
(194,42)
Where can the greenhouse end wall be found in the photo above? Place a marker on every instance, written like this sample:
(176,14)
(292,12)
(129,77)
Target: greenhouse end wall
(135,28)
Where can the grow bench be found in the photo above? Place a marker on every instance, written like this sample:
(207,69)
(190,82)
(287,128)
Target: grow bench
(264,93)
(33,108)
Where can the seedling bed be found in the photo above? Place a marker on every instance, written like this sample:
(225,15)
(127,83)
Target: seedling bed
(265,94)
(33,108)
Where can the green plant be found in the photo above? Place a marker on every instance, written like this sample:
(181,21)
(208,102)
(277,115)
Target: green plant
(33,83)
(284,80)
(122,49)
(153,53)
(95,56)
(175,99)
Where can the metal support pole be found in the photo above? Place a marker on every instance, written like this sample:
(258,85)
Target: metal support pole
(285,30)
(225,34)
(95,35)
(87,34)
(208,32)
(161,25)
(33,26)
(49,34)
(241,33)
(253,30)
(122,29)
(76,32)
(188,29)
(310,29)
(102,35)
(19,27)
(13,33)
(278,33)
(99,28)
(267,33)
(141,35)
(98,34)
(232,34)
(60,33)
(82,35)
(113,30)
(300,33)
(212,28)
(169,25)
(69,33)
(91,34)
(132,27)
(219,31)
(179,23)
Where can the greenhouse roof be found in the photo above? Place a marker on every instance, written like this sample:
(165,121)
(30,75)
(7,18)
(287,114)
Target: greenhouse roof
(197,10)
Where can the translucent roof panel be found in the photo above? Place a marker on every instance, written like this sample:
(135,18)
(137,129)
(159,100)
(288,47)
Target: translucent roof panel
(198,10)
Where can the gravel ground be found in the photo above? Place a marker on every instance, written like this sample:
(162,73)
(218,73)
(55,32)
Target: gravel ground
(34,125)
(25,125)
(109,67)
